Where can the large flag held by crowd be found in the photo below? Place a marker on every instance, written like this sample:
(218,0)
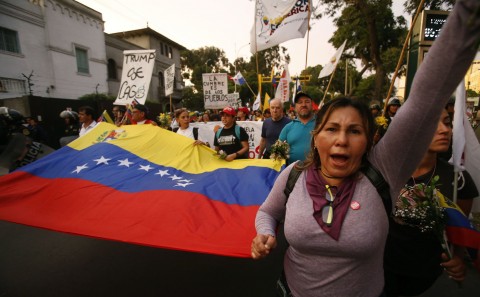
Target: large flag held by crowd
(277,22)
(143,185)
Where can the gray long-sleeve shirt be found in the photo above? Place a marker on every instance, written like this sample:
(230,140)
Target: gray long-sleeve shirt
(317,265)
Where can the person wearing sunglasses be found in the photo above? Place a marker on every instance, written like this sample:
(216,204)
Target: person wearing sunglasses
(339,252)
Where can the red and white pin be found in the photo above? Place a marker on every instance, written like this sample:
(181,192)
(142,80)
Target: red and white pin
(355,205)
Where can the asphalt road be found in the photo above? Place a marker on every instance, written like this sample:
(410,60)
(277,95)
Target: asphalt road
(37,262)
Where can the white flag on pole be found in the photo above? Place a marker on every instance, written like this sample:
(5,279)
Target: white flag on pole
(283,92)
(465,146)
(256,104)
(328,69)
(278,21)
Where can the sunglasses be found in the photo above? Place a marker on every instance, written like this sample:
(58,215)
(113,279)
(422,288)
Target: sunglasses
(327,210)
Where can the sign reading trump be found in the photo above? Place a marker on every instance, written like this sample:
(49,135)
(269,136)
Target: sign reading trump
(136,76)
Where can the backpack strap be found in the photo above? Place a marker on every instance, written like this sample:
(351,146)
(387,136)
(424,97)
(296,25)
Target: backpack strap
(292,180)
(195,133)
(380,184)
(237,131)
(218,132)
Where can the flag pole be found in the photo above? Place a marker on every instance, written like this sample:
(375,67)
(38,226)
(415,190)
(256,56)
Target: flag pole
(402,54)
(308,31)
(259,76)
(171,106)
(346,76)
(250,88)
(328,86)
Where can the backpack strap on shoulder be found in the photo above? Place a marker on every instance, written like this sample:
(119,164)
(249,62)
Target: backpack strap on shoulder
(292,180)
(218,132)
(195,133)
(380,184)
(237,131)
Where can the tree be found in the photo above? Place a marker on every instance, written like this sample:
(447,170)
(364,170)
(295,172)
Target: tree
(202,60)
(192,100)
(411,5)
(372,31)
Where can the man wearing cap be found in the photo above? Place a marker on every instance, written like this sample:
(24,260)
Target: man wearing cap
(271,128)
(139,115)
(231,139)
(297,133)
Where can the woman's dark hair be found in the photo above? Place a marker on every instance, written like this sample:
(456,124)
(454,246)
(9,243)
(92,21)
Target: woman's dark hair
(324,114)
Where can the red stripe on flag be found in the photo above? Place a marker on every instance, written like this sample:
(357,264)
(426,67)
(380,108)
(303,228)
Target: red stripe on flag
(173,219)
(463,237)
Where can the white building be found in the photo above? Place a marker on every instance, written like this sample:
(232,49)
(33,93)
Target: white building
(56,45)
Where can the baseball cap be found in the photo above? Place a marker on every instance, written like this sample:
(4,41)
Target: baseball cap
(244,109)
(228,110)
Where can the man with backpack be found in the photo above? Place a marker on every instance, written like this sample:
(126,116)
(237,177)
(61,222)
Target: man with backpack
(231,141)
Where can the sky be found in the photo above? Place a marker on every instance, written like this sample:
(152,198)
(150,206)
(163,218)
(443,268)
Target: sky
(225,24)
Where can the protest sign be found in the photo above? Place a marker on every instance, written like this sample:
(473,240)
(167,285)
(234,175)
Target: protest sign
(169,79)
(136,76)
(215,90)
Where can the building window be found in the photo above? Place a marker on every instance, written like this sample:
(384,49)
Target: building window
(170,52)
(82,60)
(166,50)
(9,40)
(161,48)
(161,80)
(112,69)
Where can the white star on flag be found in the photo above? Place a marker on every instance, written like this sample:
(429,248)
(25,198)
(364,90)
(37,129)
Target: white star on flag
(146,168)
(174,177)
(185,180)
(102,160)
(80,168)
(125,163)
(183,185)
(162,173)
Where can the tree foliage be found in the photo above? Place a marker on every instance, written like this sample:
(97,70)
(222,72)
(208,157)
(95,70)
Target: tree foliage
(411,5)
(374,35)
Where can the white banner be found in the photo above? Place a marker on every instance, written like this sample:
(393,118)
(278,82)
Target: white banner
(253,128)
(278,21)
(215,90)
(169,76)
(136,76)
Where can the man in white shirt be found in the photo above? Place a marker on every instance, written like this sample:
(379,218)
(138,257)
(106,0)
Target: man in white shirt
(86,118)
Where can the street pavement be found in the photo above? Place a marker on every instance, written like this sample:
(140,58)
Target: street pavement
(37,262)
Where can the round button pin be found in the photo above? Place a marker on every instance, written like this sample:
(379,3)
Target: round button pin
(355,205)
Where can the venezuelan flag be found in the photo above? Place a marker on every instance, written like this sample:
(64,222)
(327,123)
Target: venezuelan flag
(460,230)
(143,185)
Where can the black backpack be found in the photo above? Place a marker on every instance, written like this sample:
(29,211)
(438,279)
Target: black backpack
(370,172)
